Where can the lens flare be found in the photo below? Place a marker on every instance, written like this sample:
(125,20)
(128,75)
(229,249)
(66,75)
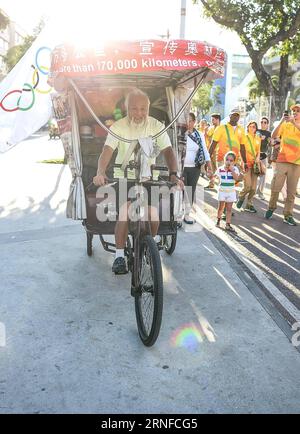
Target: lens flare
(188,336)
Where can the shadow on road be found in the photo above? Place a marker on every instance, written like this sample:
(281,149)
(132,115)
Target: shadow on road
(271,245)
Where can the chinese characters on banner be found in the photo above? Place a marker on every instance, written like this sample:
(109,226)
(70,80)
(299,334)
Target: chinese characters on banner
(125,57)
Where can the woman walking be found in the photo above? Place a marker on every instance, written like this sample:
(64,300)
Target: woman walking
(252,145)
(196,155)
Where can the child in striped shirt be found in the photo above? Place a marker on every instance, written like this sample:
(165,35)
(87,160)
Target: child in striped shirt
(228,175)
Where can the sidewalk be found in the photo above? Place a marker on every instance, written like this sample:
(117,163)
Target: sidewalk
(71,337)
(271,245)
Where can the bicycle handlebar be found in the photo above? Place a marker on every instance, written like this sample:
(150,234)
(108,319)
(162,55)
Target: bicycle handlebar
(92,187)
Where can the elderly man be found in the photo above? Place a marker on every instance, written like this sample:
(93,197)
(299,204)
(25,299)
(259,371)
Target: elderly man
(136,125)
(287,164)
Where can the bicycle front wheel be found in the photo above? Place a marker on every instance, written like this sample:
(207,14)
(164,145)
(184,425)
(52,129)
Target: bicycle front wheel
(169,243)
(149,295)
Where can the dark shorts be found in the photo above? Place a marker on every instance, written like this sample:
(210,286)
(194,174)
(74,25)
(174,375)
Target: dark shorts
(127,192)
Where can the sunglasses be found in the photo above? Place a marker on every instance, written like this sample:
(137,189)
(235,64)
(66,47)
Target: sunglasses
(230,161)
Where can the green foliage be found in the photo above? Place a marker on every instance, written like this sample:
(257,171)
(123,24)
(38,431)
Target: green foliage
(218,90)
(53,161)
(4,21)
(256,89)
(15,53)
(205,98)
(258,22)
(202,101)
(265,27)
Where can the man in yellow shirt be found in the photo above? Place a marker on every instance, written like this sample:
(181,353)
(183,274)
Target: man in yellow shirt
(287,164)
(229,137)
(215,120)
(136,125)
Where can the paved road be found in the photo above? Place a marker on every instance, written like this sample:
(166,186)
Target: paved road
(271,245)
(71,340)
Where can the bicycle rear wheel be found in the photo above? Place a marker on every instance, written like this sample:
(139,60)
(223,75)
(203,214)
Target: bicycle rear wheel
(149,295)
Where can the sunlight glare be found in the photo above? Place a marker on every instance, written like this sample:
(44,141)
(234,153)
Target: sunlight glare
(93,22)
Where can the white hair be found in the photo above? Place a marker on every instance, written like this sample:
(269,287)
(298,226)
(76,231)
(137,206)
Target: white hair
(135,93)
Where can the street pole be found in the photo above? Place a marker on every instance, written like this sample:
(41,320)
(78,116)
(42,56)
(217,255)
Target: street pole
(182,19)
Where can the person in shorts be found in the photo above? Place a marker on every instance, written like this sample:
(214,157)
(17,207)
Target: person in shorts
(228,175)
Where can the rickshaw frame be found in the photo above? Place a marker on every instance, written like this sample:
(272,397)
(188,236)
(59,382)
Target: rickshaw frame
(174,64)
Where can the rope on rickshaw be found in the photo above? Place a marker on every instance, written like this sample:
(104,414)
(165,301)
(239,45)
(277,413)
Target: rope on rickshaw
(116,136)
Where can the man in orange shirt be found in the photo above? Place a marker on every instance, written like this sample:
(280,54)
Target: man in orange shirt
(287,164)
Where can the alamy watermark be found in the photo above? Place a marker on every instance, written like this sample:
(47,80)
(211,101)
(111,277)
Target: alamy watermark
(2,335)
(124,201)
(296,336)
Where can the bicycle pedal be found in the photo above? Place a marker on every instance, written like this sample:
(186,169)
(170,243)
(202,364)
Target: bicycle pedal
(148,288)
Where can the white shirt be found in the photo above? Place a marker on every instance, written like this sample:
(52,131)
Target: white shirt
(227,182)
(192,149)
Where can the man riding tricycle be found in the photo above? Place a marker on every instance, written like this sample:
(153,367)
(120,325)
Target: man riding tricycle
(120,109)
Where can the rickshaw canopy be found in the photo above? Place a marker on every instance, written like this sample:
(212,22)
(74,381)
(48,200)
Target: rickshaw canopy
(171,61)
(91,85)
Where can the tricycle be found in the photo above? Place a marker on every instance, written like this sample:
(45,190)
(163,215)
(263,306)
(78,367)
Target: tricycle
(91,87)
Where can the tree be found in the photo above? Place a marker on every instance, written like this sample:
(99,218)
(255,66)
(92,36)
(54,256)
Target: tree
(14,54)
(261,26)
(205,98)
(256,89)
(4,20)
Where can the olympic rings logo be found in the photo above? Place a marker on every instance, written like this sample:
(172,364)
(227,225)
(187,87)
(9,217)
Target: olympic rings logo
(27,87)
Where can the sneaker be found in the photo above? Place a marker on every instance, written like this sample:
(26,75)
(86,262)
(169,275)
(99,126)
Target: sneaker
(188,220)
(269,214)
(229,228)
(239,203)
(250,208)
(218,224)
(119,266)
(157,239)
(290,220)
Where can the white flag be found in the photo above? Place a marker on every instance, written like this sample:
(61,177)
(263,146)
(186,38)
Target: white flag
(25,102)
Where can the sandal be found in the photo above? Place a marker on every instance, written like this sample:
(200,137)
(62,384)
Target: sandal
(229,228)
